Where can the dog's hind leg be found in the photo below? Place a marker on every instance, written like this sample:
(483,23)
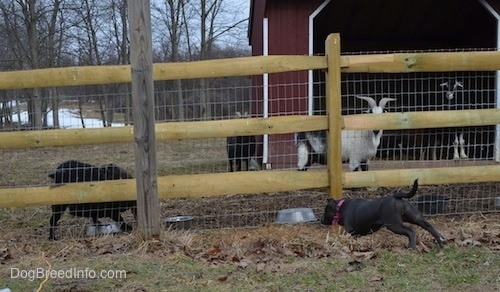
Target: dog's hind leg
(415,217)
(115,213)
(57,211)
(94,214)
(117,217)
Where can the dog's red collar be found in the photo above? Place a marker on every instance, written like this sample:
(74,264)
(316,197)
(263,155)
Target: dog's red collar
(336,217)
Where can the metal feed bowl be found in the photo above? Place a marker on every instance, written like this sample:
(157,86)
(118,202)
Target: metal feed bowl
(295,215)
(179,222)
(103,228)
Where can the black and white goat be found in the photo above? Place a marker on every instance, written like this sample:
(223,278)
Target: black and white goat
(451,87)
(241,148)
(358,147)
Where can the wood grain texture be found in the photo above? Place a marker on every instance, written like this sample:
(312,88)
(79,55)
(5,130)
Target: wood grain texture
(141,60)
(220,184)
(334,112)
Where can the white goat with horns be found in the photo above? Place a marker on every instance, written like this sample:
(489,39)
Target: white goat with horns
(358,146)
(451,87)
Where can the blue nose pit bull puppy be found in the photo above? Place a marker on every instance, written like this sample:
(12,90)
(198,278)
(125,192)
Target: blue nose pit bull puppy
(361,217)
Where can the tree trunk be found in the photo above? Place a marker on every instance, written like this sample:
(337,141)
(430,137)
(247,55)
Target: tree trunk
(36,98)
(80,111)
(55,107)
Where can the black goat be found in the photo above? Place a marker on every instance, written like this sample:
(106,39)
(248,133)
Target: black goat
(76,171)
(240,148)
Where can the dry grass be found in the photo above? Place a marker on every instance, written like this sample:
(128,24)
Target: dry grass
(269,256)
(29,167)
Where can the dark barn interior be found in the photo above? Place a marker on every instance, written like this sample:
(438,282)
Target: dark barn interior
(388,26)
(391,26)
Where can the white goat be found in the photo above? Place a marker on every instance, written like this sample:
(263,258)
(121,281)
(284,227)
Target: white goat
(358,147)
(451,86)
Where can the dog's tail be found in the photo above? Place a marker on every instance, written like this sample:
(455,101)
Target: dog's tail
(409,194)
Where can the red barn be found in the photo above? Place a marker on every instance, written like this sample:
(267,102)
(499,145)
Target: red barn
(298,27)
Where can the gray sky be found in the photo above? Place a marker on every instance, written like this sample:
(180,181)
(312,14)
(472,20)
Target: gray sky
(243,3)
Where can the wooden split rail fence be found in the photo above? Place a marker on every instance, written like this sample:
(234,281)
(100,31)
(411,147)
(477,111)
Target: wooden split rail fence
(265,181)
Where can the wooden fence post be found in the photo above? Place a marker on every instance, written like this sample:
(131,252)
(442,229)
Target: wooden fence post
(334,112)
(141,61)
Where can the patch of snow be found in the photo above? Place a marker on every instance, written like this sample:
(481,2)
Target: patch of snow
(68,119)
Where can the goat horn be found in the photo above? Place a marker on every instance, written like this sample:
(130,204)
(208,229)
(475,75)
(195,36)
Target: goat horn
(384,100)
(370,100)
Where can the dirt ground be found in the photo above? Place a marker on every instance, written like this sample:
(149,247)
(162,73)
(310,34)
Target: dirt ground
(242,211)
(267,247)
(270,241)
(250,219)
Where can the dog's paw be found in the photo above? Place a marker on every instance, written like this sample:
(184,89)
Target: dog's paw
(442,241)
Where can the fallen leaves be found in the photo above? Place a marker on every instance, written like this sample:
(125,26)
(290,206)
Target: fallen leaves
(365,255)
(264,249)
(223,278)
(468,242)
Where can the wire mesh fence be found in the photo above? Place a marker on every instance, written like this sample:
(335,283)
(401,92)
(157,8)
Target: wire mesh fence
(259,96)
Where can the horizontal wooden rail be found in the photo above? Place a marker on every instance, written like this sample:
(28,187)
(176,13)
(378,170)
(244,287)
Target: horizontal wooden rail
(257,65)
(164,131)
(175,186)
(254,126)
(428,119)
(91,75)
(219,184)
(422,62)
(426,176)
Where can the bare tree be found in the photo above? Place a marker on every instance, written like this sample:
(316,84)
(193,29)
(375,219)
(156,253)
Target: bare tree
(124,56)
(120,32)
(31,27)
(53,50)
(105,41)
(214,22)
(29,18)
(49,33)
(175,26)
